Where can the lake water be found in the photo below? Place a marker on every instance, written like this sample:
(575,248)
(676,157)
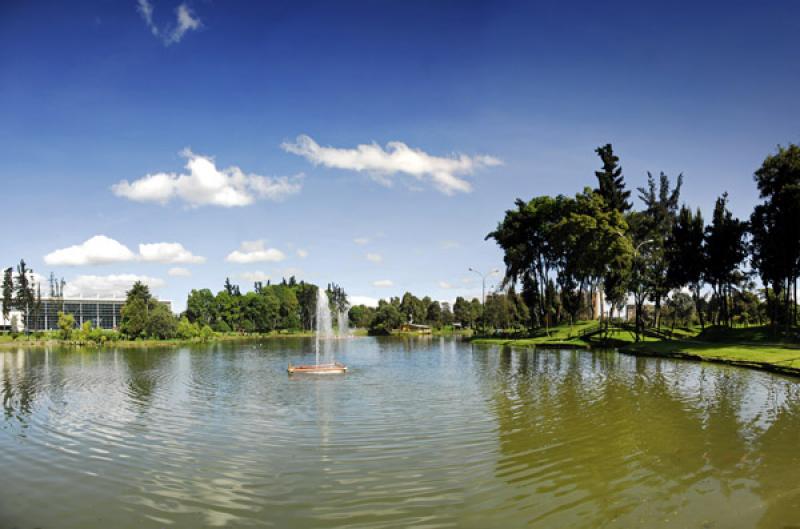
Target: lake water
(424,432)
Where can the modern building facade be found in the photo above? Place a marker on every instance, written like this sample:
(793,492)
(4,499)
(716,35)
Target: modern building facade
(104,313)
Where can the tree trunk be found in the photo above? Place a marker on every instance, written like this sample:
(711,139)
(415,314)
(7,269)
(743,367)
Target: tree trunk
(696,293)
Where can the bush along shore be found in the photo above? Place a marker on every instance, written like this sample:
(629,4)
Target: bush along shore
(116,340)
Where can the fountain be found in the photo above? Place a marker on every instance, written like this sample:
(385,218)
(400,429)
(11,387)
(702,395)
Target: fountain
(344,323)
(323,337)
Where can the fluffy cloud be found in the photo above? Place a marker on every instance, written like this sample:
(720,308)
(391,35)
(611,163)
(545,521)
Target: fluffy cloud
(114,285)
(383,283)
(361,241)
(363,300)
(204,184)
(374,257)
(382,164)
(302,254)
(185,21)
(168,252)
(445,285)
(449,245)
(254,276)
(255,252)
(97,250)
(179,272)
(105,250)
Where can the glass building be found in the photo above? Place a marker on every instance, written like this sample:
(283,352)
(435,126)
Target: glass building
(105,313)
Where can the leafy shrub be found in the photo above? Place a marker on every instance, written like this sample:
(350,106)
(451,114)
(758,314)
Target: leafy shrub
(222,326)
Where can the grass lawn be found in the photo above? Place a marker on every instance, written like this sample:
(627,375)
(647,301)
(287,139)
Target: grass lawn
(757,347)
(783,358)
(569,335)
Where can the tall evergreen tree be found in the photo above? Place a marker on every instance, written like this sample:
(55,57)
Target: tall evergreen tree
(8,291)
(611,183)
(24,297)
(726,251)
(653,229)
(686,257)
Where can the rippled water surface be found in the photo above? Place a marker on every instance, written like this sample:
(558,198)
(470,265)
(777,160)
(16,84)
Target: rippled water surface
(420,433)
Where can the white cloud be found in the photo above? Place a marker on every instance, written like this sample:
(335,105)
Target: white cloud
(449,245)
(302,254)
(383,283)
(179,272)
(382,164)
(168,252)
(146,10)
(205,184)
(255,252)
(363,300)
(105,250)
(374,257)
(97,250)
(186,21)
(445,285)
(361,241)
(254,276)
(114,285)
(184,17)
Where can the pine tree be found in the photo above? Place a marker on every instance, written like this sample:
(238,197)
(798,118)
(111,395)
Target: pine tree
(8,291)
(686,255)
(726,250)
(23,291)
(611,183)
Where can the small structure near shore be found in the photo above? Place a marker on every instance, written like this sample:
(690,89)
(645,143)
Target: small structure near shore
(416,328)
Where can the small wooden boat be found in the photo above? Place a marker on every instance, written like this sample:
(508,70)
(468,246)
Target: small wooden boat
(318,369)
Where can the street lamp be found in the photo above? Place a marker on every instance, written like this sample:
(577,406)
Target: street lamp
(483,293)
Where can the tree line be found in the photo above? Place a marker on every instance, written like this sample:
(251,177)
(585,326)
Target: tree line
(502,310)
(565,253)
(288,305)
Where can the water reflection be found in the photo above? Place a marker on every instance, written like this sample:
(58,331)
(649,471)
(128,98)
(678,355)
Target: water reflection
(590,438)
(423,431)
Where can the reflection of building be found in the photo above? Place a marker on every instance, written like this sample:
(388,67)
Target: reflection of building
(105,313)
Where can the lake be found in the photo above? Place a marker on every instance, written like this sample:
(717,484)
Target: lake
(421,432)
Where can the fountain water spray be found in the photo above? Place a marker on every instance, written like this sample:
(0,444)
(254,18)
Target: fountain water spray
(344,323)
(323,340)
(324,332)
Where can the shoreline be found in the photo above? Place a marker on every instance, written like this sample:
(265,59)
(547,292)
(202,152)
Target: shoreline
(727,354)
(50,342)
(772,358)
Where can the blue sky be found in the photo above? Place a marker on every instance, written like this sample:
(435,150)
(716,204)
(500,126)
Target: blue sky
(489,100)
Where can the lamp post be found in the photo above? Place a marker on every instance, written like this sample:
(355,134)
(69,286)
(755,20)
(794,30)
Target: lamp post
(483,293)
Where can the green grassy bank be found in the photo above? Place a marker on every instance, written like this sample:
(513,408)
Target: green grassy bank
(752,347)
(51,339)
